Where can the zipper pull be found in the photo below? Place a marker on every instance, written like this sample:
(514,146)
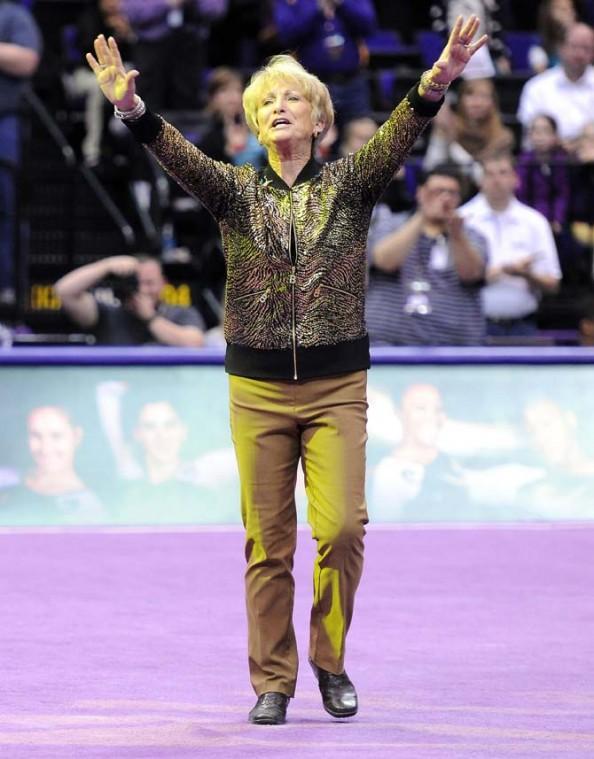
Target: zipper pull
(292,277)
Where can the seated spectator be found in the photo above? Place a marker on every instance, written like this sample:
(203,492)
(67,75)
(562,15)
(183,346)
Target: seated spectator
(566,91)
(523,262)
(427,271)
(138,316)
(468,131)
(170,42)
(544,173)
(328,36)
(227,137)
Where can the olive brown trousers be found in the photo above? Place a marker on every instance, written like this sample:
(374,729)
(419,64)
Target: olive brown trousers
(275,424)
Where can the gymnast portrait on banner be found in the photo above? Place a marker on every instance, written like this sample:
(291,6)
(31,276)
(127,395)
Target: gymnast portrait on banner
(160,476)
(51,490)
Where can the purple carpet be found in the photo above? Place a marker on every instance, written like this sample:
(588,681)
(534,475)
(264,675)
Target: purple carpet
(466,643)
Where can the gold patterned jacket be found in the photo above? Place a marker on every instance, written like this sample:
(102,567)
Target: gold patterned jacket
(296,263)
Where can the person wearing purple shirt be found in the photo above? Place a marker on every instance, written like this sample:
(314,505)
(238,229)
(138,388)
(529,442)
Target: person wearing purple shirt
(543,172)
(327,36)
(170,43)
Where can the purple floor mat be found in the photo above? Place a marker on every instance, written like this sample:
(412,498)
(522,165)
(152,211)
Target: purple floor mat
(466,643)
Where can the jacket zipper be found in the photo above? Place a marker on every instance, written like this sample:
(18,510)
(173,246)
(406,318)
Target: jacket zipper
(292,280)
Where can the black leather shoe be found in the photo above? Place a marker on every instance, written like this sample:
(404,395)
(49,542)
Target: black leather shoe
(270,709)
(338,692)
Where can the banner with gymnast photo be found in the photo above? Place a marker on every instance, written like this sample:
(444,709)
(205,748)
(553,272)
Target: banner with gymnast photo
(149,446)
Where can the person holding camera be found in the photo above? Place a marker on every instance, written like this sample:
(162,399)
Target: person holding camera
(137,316)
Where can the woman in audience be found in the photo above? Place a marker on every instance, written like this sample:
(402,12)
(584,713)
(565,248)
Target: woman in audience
(544,173)
(227,137)
(466,132)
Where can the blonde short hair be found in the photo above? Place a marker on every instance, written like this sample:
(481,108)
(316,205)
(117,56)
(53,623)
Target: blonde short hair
(286,68)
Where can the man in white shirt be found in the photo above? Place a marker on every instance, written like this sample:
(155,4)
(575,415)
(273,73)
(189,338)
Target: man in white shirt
(566,91)
(523,262)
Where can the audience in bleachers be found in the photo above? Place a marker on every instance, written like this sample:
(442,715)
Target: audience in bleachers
(555,162)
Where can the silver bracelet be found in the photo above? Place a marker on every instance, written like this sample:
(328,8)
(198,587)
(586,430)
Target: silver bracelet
(133,114)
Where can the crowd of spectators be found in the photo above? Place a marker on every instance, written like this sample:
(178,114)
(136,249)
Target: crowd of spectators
(493,212)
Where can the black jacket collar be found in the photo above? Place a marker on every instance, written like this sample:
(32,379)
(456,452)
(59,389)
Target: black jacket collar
(269,176)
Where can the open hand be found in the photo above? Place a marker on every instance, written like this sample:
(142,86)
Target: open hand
(116,83)
(458,51)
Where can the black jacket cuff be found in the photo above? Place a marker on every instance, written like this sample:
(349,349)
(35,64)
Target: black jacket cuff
(146,129)
(423,107)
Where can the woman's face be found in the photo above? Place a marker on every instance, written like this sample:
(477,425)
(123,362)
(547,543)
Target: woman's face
(227,100)
(53,439)
(477,102)
(160,432)
(542,135)
(284,116)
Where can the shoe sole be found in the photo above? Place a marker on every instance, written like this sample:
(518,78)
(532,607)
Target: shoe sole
(265,722)
(340,715)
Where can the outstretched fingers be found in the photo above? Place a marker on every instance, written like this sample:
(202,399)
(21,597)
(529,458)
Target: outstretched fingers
(469,29)
(456,29)
(102,51)
(131,76)
(478,44)
(94,64)
(115,52)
